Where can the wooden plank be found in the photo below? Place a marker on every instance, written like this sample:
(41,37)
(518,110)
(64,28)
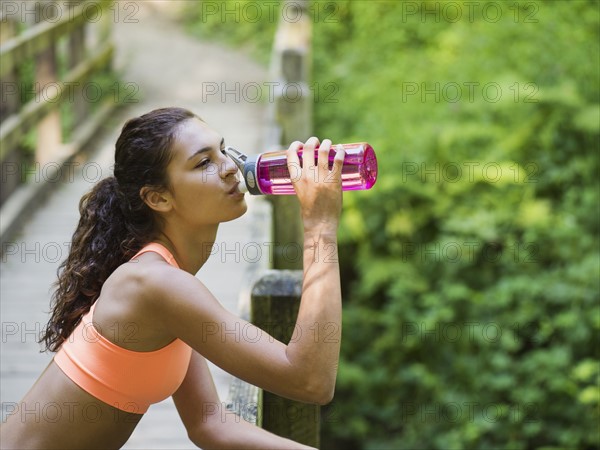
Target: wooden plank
(18,124)
(28,195)
(243,399)
(274,309)
(37,38)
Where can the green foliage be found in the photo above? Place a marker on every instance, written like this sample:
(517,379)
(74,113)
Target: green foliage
(241,23)
(471,268)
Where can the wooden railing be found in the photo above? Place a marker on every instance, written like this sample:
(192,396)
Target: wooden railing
(50,53)
(275,295)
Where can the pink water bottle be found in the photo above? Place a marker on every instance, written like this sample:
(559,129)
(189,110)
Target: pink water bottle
(267,173)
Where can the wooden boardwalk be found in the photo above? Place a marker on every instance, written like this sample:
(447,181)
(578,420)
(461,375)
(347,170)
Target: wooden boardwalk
(170,68)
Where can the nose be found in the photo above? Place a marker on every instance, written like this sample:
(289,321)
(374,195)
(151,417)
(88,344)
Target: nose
(228,167)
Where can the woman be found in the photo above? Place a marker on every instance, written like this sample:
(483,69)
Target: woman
(129,321)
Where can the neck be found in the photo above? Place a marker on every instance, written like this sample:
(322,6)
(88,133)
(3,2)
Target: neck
(190,250)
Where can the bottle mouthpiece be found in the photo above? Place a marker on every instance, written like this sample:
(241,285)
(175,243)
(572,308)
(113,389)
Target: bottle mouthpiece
(242,187)
(247,166)
(239,159)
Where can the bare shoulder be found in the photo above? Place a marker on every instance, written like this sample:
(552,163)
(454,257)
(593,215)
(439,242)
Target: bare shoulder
(147,276)
(157,285)
(158,278)
(142,292)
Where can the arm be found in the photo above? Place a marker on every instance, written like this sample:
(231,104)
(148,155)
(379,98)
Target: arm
(209,425)
(306,368)
(319,317)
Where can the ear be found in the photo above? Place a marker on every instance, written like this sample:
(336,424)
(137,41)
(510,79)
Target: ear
(157,200)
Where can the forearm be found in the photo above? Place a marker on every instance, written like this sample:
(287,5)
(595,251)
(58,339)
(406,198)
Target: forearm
(233,432)
(316,345)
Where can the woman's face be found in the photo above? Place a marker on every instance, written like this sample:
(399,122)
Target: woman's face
(203,179)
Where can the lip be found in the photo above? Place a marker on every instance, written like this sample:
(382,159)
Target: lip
(235,189)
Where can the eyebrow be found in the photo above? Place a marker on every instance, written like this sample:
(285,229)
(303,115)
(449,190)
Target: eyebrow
(205,149)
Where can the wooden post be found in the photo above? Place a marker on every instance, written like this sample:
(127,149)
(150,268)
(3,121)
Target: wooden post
(106,23)
(11,102)
(11,88)
(78,103)
(275,297)
(49,132)
(274,307)
(291,67)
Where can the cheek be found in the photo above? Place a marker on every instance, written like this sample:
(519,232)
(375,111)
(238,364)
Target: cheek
(194,190)
(191,183)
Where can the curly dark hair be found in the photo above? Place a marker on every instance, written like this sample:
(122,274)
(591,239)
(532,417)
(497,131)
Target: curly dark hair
(115,221)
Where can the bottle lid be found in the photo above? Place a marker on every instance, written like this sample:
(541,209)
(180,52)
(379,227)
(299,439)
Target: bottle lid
(249,173)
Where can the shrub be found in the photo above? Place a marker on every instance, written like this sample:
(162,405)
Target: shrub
(471,269)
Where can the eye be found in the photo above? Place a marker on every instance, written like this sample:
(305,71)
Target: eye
(202,163)
(206,161)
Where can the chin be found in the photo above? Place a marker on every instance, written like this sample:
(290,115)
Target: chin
(239,212)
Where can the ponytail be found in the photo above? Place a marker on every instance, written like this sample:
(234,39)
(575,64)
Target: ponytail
(115,221)
(100,244)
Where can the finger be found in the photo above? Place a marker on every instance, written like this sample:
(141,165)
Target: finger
(308,153)
(323,159)
(293,162)
(338,162)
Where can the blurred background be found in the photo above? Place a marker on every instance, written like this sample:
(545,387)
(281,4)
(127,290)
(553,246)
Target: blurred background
(471,269)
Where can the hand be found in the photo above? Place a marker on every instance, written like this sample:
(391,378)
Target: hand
(319,190)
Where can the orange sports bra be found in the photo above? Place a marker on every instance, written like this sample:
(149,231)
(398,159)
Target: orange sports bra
(126,379)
